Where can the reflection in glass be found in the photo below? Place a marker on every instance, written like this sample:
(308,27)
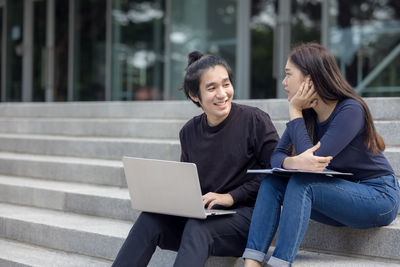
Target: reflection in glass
(137,50)
(14,50)
(39,50)
(263,22)
(306,21)
(305,27)
(365,38)
(89,58)
(208,26)
(61,51)
(1,52)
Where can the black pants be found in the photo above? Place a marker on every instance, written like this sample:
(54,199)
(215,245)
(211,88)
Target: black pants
(194,239)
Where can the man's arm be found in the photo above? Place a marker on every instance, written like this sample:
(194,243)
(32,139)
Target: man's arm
(265,139)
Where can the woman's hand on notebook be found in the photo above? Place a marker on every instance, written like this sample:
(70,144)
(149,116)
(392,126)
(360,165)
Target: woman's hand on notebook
(307,161)
(211,199)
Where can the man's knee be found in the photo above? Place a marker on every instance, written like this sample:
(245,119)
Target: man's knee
(149,226)
(199,233)
(197,228)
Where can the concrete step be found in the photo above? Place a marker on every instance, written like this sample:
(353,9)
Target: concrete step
(303,259)
(102,238)
(111,127)
(114,109)
(83,234)
(323,259)
(116,148)
(92,171)
(376,242)
(17,254)
(393,156)
(385,128)
(138,128)
(381,108)
(388,130)
(317,259)
(91,147)
(80,170)
(96,200)
(384,108)
(135,109)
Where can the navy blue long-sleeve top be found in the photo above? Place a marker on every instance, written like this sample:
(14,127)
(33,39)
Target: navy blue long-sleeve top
(342,137)
(223,153)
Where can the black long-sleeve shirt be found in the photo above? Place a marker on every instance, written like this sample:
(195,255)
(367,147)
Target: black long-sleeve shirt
(222,154)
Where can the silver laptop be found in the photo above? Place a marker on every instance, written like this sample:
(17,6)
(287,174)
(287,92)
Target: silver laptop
(167,187)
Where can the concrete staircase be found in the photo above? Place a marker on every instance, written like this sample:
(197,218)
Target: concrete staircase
(63,196)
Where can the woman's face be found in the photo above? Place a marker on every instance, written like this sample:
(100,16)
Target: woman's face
(293,79)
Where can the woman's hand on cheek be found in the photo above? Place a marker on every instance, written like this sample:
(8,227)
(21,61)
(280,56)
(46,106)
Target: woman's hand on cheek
(306,97)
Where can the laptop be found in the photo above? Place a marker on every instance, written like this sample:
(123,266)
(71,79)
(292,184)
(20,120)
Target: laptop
(166,187)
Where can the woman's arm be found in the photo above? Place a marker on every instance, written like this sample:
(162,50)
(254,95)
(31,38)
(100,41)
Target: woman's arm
(307,160)
(348,122)
(281,158)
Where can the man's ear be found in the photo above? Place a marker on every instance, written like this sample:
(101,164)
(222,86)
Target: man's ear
(194,98)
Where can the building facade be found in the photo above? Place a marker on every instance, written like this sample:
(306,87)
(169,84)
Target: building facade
(102,50)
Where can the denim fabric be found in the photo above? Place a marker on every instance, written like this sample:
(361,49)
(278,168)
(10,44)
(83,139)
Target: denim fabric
(329,200)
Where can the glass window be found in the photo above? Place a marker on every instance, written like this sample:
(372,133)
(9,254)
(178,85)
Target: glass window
(39,50)
(137,50)
(14,50)
(365,39)
(208,26)
(305,27)
(1,50)
(262,23)
(61,51)
(90,50)
(306,21)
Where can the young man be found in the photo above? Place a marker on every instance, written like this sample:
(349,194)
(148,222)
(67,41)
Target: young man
(224,141)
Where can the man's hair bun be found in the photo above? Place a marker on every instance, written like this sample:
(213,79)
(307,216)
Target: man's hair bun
(193,57)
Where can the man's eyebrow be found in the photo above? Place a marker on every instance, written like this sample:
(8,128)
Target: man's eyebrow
(287,69)
(210,84)
(225,80)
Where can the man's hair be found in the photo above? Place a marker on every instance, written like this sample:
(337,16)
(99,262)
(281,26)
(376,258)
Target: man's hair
(197,64)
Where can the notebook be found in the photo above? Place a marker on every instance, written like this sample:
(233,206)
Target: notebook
(166,187)
(281,171)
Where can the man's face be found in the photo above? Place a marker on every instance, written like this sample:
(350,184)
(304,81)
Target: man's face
(293,79)
(216,93)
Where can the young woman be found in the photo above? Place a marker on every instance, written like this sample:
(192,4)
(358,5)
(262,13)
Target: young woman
(330,127)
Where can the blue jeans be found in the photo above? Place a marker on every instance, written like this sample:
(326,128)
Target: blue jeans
(329,200)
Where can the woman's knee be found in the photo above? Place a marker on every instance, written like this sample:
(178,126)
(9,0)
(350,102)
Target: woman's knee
(302,182)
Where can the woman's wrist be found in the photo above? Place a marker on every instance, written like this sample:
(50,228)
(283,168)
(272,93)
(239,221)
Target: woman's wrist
(289,163)
(295,112)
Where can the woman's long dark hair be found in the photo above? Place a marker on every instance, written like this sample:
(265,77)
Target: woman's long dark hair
(315,60)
